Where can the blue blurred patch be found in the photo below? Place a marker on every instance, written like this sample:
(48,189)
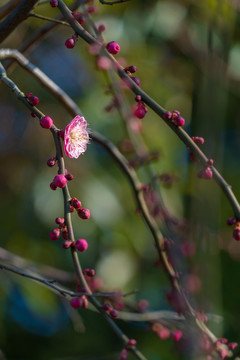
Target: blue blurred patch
(20,310)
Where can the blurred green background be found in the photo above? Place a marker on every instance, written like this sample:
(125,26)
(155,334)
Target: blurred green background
(187,55)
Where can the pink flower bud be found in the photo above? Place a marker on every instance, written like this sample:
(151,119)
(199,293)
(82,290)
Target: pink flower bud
(89,272)
(177,334)
(84,213)
(232,345)
(163,333)
(198,140)
(205,173)
(167,115)
(33,100)
(124,355)
(132,69)
(69,177)
(67,244)
(46,122)
(231,221)
(113,313)
(113,47)
(53,186)
(60,181)
(106,307)
(236,233)
(179,121)
(136,80)
(81,245)
(60,221)
(51,162)
(55,234)
(131,343)
(70,43)
(76,203)
(76,303)
(54,3)
(101,28)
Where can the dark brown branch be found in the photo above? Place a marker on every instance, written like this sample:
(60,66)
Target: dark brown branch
(7,8)
(15,18)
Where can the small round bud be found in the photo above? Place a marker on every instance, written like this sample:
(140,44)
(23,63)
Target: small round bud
(76,203)
(54,3)
(106,307)
(33,100)
(113,313)
(175,113)
(89,272)
(60,221)
(81,245)
(179,121)
(136,80)
(138,98)
(51,162)
(53,186)
(132,69)
(177,335)
(55,234)
(123,355)
(210,162)
(70,43)
(198,140)
(236,233)
(101,28)
(113,47)
(231,221)
(60,181)
(167,115)
(33,115)
(46,122)
(69,177)
(84,213)
(140,111)
(67,244)
(205,173)
(131,343)
(76,303)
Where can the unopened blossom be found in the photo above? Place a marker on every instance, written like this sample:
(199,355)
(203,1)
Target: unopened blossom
(76,137)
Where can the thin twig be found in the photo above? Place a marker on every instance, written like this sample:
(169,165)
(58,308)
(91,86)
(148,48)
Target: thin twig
(46,18)
(104,2)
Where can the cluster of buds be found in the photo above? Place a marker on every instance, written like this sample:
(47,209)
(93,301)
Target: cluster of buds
(83,213)
(131,343)
(175,117)
(131,70)
(206,173)
(163,333)
(59,180)
(140,109)
(236,231)
(109,310)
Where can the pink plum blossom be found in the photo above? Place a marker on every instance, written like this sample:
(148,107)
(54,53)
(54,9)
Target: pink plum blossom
(76,137)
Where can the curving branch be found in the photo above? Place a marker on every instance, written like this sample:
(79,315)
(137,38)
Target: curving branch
(15,18)
(158,109)
(67,214)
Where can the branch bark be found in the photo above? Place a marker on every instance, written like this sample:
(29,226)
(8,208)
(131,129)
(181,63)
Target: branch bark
(15,18)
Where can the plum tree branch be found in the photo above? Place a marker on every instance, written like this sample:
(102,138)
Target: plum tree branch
(158,109)
(15,18)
